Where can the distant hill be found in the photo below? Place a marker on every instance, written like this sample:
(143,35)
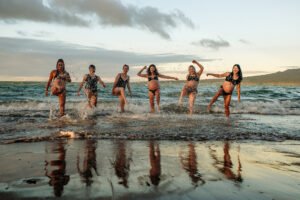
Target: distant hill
(288,77)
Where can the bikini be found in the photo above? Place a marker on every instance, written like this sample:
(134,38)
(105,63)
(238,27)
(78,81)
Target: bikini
(230,79)
(150,79)
(61,77)
(190,90)
(91,83)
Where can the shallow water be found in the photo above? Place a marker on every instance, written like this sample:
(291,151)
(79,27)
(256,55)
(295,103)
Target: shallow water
(265,113)
(122,169)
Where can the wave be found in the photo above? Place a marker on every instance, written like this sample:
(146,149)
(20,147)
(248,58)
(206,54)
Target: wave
(250,106)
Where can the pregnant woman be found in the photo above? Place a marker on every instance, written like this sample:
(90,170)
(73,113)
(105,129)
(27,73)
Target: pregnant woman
(232,79)
(153,84)
(57,80)
(191,85)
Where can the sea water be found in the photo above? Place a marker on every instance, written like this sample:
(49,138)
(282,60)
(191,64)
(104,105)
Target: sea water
(264,113)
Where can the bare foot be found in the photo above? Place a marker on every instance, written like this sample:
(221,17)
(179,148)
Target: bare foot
(208,109)
(158,109)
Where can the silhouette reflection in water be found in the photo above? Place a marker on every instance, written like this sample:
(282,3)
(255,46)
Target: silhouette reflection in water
(226,169)
(154,156)
(190,165)
(121,163)
(57,176)
(89,162)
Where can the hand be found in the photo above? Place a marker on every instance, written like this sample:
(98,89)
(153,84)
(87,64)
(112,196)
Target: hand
(194,61)
(176,79)
(78,93)
(207,74)
(104,85)
(46,93)
(145,67)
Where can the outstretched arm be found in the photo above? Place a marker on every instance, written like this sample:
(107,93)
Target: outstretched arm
(218,75)
(51,76)
(167,77)
(238,88)
(81,85)
(200,66)
(140,72)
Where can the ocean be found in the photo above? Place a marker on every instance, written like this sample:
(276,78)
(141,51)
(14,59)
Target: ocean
(265,113)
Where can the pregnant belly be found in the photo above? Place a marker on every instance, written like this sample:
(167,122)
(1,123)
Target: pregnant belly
(153,85)
(228,87)
(57,86)
(192,84)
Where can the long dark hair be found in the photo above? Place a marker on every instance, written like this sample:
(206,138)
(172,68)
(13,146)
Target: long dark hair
(62,61)
(240,74)
(155,71)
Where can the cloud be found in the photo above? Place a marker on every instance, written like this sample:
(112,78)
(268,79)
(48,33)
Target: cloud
(35,10)
(244,41)
(213,44)
(29,57)
(86,13)
(33,34)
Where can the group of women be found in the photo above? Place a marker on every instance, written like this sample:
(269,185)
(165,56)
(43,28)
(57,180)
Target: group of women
(59,77)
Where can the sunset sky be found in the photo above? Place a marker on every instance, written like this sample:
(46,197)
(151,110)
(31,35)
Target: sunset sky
(261,35)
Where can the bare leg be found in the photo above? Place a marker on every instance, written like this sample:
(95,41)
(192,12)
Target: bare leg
(122,103)
(157,95)
(62,101)
(122,93)
(214,99)
(227,100)
(182,94)
(192,98)
(151,101)
(93,101)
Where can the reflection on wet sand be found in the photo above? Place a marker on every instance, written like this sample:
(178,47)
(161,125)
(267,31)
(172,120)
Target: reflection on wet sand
(160,170)
(154,156)
(89,162)
(190,165)
(122,163)
(57,176)
(226,169)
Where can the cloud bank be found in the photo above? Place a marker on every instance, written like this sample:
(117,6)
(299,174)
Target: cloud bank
(85,13)
(29,57)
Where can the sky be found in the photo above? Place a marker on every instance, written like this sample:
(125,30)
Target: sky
(260,35)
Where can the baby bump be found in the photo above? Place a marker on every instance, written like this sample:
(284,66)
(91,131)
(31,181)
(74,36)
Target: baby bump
(153,85)
(228,87)
(192,84)
(58,86)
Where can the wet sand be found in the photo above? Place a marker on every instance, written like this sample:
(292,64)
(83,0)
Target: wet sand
(122,169)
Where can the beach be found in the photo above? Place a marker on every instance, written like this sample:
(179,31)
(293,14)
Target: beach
(122,169)
(105,154)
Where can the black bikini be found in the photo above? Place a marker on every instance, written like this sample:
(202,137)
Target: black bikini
(192,78)
(154,78)
(122,83)
(229,78)
(233,81)
(190,90)
(150,79)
